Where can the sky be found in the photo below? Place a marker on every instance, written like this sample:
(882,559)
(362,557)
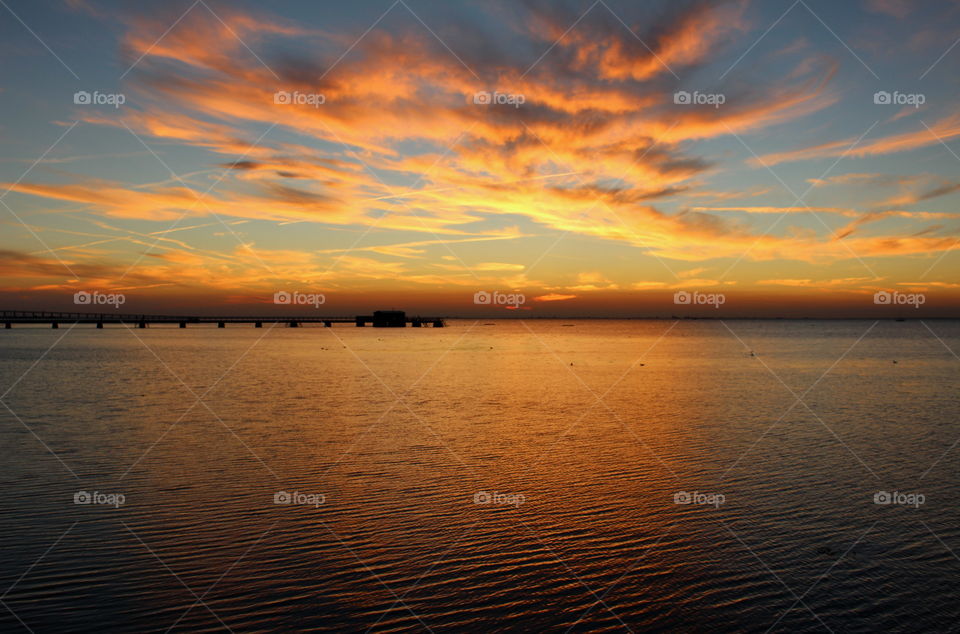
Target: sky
(516,159)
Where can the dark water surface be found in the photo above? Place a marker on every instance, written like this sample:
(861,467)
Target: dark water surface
(516,477)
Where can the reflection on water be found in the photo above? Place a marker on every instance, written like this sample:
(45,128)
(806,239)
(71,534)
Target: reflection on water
(612,475)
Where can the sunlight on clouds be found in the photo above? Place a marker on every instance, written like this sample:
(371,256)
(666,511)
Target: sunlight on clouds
(400,147)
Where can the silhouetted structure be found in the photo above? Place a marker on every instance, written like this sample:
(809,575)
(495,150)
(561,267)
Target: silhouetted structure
(389,319)
(395,319)
(379,319)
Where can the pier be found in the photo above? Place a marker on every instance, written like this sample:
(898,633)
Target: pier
(379,319)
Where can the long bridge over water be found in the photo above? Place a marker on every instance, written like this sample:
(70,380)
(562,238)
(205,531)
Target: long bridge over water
(379,319)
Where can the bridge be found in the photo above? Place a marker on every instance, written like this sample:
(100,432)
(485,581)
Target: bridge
(379,319)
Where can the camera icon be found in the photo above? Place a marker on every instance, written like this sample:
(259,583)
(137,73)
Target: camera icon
(82,97)
(282,297)
(882,97)
(681,97)
(482,297)
(82,497)
(882,297)
(882,497)
(281,97)
(682,497)
(281,497)
(82,297)
(482,497)
(482,98)
(682,297)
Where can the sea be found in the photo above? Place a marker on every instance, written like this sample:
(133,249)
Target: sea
(490,476)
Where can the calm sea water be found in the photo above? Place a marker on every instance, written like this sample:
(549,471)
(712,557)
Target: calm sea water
(523,476)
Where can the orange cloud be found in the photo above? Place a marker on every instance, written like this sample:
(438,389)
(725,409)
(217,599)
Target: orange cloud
(945,129)
(400,149)
(553,297)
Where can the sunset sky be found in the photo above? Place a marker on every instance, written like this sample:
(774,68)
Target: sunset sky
(591,191)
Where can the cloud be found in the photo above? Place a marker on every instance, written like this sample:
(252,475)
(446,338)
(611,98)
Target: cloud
(553,297)
(893,8)
(597,138)
(809,283)
(859,178)
(943,130)
(799,209)
(400,152)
